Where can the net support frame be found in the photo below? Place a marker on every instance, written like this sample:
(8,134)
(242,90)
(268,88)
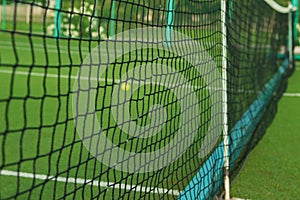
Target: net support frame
(3,21)
(170,21)
(230,6)
(57,18)
(112,19)
(224,100)
(290,32)
(295,3)
(277,7)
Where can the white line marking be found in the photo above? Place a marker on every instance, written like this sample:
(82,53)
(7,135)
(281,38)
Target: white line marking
(26,44)
(49,50)
(40,47)
(91,182)
(291,94)
(38,74)
(116,81)
(107,80)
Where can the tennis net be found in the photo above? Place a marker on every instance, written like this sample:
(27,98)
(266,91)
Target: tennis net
(136,99)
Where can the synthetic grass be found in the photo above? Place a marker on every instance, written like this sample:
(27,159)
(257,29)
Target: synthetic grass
(50,139)
(37,126)
(273,168)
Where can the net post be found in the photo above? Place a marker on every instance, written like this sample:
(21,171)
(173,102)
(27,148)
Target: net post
(230,11)
(57,18)
(3,14)
(291,35)
(112,18)
(224,100)
(295,3)
(170,21)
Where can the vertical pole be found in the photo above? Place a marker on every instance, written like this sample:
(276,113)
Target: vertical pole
(3,14)
(112,18)
(290,40)
(295,3)
(224,100)
(57,18)
(170,21)
(230,11)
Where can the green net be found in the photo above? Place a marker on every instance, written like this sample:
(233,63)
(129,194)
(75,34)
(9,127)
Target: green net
(123,99)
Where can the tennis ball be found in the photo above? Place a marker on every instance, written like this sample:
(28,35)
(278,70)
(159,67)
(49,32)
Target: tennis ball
(125,87)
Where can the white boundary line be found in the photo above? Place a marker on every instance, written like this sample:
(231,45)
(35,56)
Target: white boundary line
(116,81)
(39,74)
(65,51)
(91,182)
(26,44)
(49,75)
(291,94)
(40,47)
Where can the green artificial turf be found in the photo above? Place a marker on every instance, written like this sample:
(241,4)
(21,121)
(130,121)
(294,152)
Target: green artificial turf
(51,146)
(38,131)
(273,168)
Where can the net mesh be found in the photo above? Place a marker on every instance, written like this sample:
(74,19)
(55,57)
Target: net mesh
(51,145)
(254,40)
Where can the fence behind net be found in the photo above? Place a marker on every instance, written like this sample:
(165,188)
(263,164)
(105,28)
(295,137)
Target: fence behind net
(125,99)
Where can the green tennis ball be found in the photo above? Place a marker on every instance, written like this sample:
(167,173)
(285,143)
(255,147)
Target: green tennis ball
(125,87)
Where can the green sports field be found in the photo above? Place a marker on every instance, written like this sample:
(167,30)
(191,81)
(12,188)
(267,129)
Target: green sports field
(38,136)
(273,167)
(49,146)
